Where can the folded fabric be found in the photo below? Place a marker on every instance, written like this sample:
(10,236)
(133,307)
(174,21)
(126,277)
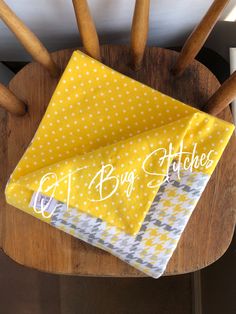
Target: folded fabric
(98,166)
(151,249)
(119,167)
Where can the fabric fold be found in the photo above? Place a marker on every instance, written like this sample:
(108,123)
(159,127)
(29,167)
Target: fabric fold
(125,176)
(99,169)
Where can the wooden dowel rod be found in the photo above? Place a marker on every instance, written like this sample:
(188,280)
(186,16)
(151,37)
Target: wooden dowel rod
(10,102)
(198,37)
(28,39)
(87,28)
(139,32)
(222,97)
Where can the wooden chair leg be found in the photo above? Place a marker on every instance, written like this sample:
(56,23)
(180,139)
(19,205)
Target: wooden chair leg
(198,37)
(139,32)
(222,97)
(87,28)
(28,39)
(10,102)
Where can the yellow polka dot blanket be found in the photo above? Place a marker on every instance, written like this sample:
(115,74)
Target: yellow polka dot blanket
(117,164)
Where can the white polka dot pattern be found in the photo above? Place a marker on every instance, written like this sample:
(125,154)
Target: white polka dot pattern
(96,116)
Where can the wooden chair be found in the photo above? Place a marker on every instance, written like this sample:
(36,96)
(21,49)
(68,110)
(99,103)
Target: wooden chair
(35,244)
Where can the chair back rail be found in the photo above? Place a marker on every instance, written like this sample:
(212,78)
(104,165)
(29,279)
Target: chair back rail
(222,97)
(87,28)
(199,35)
(28,39)
(10,102)
(139,32)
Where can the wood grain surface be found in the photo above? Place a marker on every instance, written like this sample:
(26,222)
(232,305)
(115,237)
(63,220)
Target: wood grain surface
(38,245)
(139,32)
(27,38)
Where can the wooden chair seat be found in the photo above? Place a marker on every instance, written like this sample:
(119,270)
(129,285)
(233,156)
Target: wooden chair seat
(36,244)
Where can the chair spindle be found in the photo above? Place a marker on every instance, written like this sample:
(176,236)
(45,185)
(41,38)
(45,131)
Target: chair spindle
(28,39)
(139,32)
(222,97)
(87,28)
(10,102)
(198,37)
